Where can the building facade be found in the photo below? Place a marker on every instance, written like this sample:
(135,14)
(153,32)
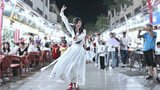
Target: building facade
(118,15)
(43,8)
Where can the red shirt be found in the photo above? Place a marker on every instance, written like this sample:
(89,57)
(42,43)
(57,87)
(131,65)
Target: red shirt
(55,53)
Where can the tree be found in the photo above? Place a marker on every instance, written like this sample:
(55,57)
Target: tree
(90,27)
(102,22)
(70,18)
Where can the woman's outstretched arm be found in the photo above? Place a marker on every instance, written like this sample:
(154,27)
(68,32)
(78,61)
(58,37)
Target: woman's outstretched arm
(65,20)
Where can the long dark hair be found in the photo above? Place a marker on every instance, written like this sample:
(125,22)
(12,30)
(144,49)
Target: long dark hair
(4,49)
(75,21)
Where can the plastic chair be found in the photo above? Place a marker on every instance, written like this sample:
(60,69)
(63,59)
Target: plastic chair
(1,60)
(32,57)
(7,64)
(46,55)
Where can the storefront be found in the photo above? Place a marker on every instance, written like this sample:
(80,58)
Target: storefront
(19,20)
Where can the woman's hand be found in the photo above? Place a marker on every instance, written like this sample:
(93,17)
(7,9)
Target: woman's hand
(63,8)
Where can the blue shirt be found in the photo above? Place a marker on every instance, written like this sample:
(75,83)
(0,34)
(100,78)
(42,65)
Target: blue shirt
(150,42)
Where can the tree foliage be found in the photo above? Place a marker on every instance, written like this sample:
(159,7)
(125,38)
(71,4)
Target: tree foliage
(90,27)
(70,18)
(102,22)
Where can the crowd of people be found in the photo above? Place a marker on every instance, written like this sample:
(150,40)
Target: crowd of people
(106,50)
(23,47)
(97,50)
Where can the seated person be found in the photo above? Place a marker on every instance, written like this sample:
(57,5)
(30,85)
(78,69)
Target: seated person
(31,47)
(22,51)
(15,49)
(37,45)
(46,47)
(6,48)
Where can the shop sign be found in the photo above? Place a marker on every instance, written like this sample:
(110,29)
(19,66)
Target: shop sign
(156,18)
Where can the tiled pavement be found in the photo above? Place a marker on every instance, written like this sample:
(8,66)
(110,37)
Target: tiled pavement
(111,79)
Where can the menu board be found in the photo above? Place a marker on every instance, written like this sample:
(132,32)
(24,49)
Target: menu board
(22,16)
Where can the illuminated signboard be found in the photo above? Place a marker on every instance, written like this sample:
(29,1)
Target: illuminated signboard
(156,18)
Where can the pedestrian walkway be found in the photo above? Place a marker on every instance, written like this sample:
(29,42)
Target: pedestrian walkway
(111,79)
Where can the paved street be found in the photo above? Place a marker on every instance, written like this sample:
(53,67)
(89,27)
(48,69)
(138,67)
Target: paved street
(112,79)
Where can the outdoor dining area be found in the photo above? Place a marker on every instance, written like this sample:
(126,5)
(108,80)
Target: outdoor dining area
(13,65)
(136,60)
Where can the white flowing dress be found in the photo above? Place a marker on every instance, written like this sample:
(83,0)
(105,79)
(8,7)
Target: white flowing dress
(71,66)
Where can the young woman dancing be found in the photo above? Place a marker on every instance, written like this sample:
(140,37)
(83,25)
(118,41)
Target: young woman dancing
(71,66)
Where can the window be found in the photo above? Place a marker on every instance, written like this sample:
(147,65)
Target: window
(137,10)
(29,3)
(122,19)
(112,13)
(39,11)
(46,3)
(46,17)
(128,15)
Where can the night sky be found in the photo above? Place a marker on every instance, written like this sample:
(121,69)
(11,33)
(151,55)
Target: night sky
(88,10)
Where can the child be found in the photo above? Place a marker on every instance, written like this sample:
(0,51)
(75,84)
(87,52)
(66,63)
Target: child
(55,51)
(63,47)
(158,48)
(101,53)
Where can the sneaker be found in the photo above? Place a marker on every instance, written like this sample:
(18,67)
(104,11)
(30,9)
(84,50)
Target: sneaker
(149,78)
(157,79)
(124,66)
(96,65)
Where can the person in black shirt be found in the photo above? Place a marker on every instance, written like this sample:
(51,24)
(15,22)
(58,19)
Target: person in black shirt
(22,50)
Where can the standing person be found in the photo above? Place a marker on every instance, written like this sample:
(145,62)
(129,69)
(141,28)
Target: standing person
(38,40)
(149,50)
(158,48)
(71,65)
(96,41)
(44,42)
(116,52)
(55,52)
(102,53)
(124,48)
(111,44)
(63,47)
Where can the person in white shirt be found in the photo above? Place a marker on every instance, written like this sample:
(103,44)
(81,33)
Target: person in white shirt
(158,48)
(47,47)
(15,49)
(102,53)
(44,41)
(111,44)
(97,39)
(31,47)
(124,48)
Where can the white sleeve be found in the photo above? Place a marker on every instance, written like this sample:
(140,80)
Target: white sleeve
(67,24)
